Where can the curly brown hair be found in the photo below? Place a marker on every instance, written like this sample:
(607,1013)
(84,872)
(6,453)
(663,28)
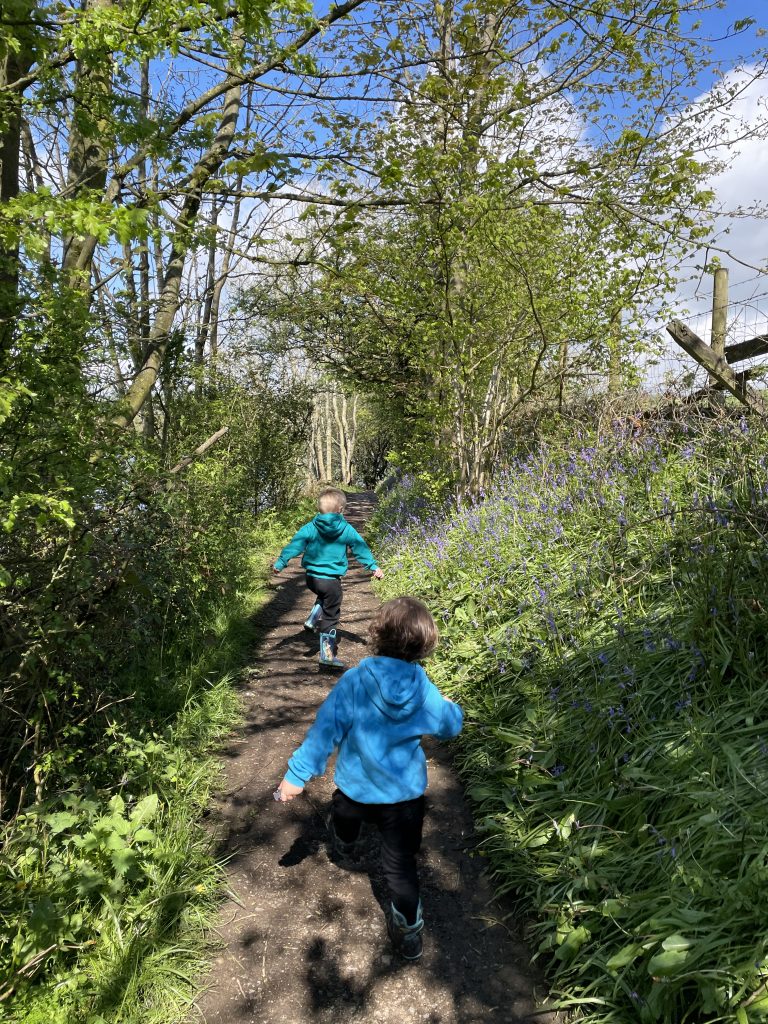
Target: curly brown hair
(403,628)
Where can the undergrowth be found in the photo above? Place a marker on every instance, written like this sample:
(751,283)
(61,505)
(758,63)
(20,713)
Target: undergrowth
(107,887)
(604,614)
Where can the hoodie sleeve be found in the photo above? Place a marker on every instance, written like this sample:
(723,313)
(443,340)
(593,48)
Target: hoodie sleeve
(332,722)
(450,718)
(360,549)
(295,546)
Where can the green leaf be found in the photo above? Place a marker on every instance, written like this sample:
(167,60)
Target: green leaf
(572,944)
(676,942)
(123,860)
(60,821)
(668,963)
(145,810)
(89,880)
(115,841)
(624,956)
(144,835)
(117,804)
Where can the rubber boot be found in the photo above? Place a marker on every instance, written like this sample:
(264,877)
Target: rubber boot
(314,615)
(406,938)
(328,648)
(343,852)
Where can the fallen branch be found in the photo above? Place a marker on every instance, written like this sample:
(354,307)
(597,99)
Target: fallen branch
(201,450)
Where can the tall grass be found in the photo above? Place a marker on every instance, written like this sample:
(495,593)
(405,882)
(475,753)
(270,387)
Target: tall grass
(106,889)
(604,613)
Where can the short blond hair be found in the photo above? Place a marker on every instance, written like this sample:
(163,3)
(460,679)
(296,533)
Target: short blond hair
(331,500)
(403,628)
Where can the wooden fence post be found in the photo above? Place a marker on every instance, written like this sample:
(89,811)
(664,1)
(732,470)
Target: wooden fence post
(719,311)
(717,367)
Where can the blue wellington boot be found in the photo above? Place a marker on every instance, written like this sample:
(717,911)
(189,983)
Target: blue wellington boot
(314,615)
(406,938)
(328,648)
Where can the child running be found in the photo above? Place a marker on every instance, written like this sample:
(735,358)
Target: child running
(375,716)
(324,542)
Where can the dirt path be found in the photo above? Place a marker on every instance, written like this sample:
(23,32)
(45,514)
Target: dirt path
(305,940)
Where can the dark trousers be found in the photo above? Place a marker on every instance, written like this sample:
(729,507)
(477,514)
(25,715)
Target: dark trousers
(400,826)
(328,592)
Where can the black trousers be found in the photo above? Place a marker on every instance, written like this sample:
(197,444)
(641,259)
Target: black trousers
(328,592)
(400,826)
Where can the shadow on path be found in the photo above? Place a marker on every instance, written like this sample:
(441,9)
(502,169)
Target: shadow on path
(304,940)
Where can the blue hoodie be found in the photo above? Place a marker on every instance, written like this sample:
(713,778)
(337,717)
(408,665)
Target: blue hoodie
(324,541)
(376,715)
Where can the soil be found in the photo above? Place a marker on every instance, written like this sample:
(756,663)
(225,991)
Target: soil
(303,939)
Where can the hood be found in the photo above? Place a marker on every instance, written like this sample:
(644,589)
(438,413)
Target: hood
(397,688)
(330,525)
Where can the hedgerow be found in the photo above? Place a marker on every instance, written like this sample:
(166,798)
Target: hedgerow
(604,612)
(126,592)
(107,884)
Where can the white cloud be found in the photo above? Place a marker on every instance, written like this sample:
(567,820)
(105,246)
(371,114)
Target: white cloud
(742,134)
(736,134)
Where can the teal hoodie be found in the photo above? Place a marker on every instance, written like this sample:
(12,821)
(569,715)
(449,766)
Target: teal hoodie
(375,716)
(324,542)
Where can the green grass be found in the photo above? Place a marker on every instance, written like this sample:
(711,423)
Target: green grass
(107,892)
(605,625)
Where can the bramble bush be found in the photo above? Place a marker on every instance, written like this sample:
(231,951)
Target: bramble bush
(605,624)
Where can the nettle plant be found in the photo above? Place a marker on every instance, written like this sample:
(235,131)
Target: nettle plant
(63,865)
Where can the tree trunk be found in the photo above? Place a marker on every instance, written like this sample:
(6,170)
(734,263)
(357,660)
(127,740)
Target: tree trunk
(614,355)
(562,365)
(221,280)
(88,154)
(328,439)
(205,320)
(35,179)
(12,67)
(352,442)
(168,300)
(144,314)
(340,416)
(318,444)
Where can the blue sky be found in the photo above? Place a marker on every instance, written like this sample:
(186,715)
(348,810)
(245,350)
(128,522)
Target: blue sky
(743,184)
(740,239)
(717,23)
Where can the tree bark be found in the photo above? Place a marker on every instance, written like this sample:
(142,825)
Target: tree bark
(208,295)
(318,444)
(328,439)
(352,442)
(614,354)
(12,67)
(339,415)
(88,153)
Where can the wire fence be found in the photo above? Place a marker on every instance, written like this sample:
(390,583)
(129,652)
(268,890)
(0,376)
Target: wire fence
(747,318)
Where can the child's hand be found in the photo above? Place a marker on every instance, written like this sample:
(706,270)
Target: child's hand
(288,791)
(378,574)
(276,571)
